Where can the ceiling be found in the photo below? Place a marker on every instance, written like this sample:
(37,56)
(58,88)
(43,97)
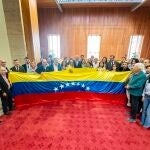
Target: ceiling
(52,4)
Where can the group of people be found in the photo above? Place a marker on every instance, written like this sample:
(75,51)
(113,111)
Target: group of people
(54,64)
(137,86)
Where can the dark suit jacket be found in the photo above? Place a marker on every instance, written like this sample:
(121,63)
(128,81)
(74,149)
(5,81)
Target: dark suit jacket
(25,67)
(51,67)
(21,69)
(79,65)
(39,64)
(42,69)
(3,86)
(109,65)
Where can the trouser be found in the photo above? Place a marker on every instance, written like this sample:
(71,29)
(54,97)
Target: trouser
(140,105)
(146,112)
(7,102)
(134,105)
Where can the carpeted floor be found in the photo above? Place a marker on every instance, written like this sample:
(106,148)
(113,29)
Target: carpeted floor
(72,125)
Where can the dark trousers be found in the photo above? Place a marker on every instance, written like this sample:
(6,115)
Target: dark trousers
(135,100)
(140,105)
(7,102)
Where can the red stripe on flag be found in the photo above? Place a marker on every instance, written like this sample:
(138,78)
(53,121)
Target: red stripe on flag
(27,100)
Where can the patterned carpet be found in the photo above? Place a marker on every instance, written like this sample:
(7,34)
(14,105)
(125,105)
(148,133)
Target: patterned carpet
(72,125)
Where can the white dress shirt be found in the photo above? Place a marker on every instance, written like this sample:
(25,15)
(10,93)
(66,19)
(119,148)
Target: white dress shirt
(55,67)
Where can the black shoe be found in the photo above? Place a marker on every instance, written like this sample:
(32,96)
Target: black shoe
(13,108)
(129,113)
(7,113)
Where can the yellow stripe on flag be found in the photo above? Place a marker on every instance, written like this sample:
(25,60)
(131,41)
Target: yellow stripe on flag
(82,74)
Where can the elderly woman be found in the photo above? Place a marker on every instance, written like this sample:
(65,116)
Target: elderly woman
(135,88)
(146,106)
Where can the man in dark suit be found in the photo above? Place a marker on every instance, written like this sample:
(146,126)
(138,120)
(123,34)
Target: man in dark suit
(17,67)
(5,91)
(44,67)
(56,66)
(26,66)
(50,60)
(111,62)
(77,62)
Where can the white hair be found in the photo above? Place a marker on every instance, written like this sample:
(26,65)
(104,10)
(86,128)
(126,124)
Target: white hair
(140,66)
(44,60)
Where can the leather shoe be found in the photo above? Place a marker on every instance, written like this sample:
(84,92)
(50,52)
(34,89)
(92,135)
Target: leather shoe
(7,113)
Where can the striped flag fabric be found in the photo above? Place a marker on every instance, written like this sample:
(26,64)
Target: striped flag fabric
(84,83)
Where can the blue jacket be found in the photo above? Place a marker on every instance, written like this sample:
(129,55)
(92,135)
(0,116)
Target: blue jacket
(136,84)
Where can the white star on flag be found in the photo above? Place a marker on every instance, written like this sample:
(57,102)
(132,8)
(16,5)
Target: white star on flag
(55,89)
(83,85)
(73,83)
(67,84)
(61,86)
(87,88)
(78,83)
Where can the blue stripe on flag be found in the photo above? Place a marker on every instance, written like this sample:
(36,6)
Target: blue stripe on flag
(66,86)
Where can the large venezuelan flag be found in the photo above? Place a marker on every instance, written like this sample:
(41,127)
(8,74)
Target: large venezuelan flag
(85,84)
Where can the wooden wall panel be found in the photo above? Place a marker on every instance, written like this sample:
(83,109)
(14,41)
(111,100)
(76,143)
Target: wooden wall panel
(31,28)
(27,28)
(35,29)
(115,25)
